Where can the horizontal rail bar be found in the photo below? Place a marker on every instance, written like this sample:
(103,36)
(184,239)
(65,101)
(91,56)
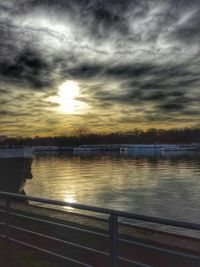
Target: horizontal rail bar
(59,224)
(168,251)
(49,252)
(136,264)
(55,202)
(158,220)
(59,240)
(2,236)
(182,224)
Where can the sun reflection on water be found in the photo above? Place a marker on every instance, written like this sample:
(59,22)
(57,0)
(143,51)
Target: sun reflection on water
(69,199)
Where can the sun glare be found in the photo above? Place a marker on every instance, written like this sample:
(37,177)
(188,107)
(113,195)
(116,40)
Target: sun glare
(69,199)
(67,94)
(68,90)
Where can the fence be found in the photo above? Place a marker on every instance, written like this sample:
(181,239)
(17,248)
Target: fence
(113,255)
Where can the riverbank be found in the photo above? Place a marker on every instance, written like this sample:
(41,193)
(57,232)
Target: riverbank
(140,234)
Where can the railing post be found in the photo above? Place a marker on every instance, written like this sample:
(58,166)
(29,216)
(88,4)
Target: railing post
(113,229)
(8,207)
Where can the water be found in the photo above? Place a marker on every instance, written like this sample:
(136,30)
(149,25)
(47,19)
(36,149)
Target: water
(166,185)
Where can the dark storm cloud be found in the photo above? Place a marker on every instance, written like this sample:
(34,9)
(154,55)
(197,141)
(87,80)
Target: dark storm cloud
(12,114)
(164,102)
(130,71)
(189,32)
(156,96)
(27,67)
(168,89)
(3,91)
(85,71)
(171,106)
(167,80)
(91,71)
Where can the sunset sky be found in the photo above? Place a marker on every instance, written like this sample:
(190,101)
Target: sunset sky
(103,65)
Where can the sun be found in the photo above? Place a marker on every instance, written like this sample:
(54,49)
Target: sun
(68,91)
(67,98)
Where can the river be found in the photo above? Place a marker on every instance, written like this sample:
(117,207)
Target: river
(166,185)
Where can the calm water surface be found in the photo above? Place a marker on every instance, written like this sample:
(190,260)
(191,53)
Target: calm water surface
(165,185)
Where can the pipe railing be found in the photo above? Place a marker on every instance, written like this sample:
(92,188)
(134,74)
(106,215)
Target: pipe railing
(113,236)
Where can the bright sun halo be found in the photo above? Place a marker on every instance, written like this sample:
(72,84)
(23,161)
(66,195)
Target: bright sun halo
(67,94)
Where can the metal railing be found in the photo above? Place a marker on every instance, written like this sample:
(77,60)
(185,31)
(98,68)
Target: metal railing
(113,256)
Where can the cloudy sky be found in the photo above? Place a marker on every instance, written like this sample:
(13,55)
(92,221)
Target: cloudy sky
(103,65)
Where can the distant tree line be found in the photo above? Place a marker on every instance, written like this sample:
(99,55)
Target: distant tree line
(152,136)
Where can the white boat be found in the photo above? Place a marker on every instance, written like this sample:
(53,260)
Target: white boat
(6,153)
(141,147)
(181,147)
(45,148)
(159,147)
(83,148)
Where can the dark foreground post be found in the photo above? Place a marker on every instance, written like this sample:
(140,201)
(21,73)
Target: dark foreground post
(7,226)
(113,229)
(7,221)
